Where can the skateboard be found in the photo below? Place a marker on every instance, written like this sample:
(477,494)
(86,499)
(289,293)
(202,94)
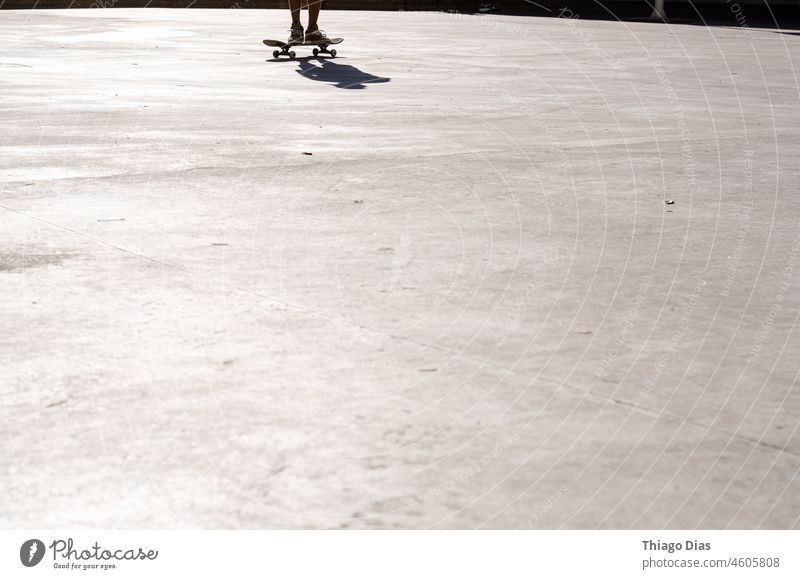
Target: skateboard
(286,47)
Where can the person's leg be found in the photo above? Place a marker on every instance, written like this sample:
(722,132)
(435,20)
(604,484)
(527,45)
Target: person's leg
(296,33)
(314,34)
(313,14)
(294,6)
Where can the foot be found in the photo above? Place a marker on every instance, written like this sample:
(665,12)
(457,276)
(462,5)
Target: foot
(295,34)
(316,35)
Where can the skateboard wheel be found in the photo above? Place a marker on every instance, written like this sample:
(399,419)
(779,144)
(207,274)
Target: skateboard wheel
(315,52)
(276,53)
(333,53)
(292,54)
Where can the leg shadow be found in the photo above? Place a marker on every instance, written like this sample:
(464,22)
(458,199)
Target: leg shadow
(338,75)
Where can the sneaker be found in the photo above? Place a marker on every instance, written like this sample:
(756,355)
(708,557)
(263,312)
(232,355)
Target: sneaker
(317,36)
(295,35)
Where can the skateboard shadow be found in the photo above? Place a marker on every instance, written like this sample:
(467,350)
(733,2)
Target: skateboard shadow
(338,75)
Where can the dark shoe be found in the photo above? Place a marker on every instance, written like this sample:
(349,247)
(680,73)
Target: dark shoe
(296,35)
(317,36)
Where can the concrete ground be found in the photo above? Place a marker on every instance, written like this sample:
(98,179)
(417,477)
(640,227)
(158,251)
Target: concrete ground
(478,271)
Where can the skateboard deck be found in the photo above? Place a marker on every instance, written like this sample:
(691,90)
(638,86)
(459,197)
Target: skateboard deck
(285,48)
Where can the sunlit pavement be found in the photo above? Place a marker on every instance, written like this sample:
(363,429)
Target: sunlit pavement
(477,271)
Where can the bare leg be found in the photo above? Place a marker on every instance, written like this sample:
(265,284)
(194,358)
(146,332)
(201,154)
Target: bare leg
(313,14)
(294,6)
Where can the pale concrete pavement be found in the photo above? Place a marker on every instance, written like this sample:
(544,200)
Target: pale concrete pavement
(469,306)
